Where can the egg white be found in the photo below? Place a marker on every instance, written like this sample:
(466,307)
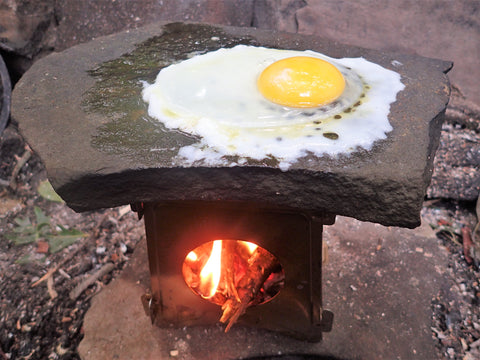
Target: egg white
(214,96)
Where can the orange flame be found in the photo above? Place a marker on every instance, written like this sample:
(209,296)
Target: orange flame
(192,256)
(251,246)
(203,272)
(210,274)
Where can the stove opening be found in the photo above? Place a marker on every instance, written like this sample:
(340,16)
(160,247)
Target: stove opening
(233,272)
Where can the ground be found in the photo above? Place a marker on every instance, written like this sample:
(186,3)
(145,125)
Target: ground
(40,322)
(41,318)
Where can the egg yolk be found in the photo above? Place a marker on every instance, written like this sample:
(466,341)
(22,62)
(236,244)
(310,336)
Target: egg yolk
(301,81)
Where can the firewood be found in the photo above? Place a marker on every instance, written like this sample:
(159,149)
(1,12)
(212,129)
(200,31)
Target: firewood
(228,268)
(261,265)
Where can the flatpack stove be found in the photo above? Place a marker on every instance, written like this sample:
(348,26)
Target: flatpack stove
(284,281)
(81,110)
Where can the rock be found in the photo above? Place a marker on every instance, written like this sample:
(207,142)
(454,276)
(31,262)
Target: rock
(91,165)
(280,15)
(5,95)
(85,20)
(447,30)
(32,28)
(24,24)
(27,30)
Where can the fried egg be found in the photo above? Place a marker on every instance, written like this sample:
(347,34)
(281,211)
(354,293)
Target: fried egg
(251,102)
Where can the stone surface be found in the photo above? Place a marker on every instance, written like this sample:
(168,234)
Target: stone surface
(440,29)
(378,281)
(97,146)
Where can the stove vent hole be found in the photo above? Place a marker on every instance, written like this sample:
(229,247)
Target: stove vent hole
(226,272)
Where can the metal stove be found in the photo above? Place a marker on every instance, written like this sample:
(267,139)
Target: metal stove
(174,229)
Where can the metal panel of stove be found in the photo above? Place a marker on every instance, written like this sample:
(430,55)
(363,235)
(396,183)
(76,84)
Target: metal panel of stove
(295,238)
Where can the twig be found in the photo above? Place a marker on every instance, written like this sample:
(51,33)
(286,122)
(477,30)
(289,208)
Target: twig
(228,259)
(123,211)
(261,265)
(64,274)
(239,310)
(51,290)
(18,166)
(80,288)
(58,266)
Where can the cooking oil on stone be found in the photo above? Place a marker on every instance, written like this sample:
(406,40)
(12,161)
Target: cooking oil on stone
(116,93)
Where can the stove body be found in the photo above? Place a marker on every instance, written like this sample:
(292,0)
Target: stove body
(173,229)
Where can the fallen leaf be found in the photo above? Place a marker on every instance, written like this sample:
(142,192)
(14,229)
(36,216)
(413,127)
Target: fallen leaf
(46,191)
(443,222)
(9,205)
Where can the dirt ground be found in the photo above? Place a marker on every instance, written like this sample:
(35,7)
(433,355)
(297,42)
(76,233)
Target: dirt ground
(45,321)
(46,291)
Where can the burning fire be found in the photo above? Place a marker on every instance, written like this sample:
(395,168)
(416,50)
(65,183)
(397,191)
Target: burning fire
(234,274)
(210,274)
(209,277)
(251,246)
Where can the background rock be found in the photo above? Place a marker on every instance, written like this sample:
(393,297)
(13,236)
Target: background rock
(80,21)
(26,32)
(443,29)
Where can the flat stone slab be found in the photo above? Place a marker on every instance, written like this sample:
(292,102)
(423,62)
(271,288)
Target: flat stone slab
(378,281)
(81,111)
